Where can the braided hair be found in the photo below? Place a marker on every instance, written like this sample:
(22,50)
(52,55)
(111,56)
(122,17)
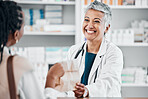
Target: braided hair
(11,19)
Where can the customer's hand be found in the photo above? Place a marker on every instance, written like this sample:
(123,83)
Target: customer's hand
(80,89)
(54,73)
(56,70)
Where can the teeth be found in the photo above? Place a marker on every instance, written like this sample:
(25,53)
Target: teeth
(90,31)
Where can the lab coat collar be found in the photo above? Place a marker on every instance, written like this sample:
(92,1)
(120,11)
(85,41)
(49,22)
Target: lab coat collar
(98,59)
(102,49)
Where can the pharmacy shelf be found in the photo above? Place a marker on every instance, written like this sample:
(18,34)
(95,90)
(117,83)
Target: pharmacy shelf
(127,7)
(48,33)
(134,85)
(49,2)
(135,44)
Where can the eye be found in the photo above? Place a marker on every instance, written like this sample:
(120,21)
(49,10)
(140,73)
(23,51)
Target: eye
(97,21)
(86,20)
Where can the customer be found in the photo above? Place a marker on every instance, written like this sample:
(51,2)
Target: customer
(100,61)
(27,84)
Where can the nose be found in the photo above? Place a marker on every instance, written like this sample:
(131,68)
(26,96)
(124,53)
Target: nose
(90,25)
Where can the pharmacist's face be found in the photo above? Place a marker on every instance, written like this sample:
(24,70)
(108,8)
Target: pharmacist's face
(94,25)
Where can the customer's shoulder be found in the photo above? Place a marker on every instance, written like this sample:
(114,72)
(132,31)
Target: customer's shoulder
(22,63)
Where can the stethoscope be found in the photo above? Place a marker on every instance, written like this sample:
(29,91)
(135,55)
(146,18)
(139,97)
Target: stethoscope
(82,50)
(79,51)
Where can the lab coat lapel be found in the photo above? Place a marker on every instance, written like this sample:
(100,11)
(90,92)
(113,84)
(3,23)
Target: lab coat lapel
(82,63)
(97,60)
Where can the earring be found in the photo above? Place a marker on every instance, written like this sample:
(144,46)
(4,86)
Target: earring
(16,41)
(2,45)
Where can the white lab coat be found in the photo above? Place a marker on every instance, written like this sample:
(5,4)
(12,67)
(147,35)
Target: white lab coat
(109,61)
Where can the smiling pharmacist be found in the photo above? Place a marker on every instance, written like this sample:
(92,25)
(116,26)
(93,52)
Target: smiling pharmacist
(100,61)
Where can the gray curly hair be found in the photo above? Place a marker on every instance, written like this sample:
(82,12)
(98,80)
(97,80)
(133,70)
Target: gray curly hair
(99,6)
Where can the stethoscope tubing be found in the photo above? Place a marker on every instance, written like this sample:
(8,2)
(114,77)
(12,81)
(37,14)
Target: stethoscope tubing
(77,54)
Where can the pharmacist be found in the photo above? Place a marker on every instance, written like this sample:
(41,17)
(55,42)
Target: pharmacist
(100,61)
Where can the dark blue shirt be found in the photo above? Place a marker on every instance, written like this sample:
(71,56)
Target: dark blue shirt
(89,59)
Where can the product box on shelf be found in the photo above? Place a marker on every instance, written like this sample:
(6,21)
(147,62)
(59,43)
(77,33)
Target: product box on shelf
(121,36)
(134,75)
(128,2)
(146,36)
(59,28)
(53,14)
(124,2)
(31,15)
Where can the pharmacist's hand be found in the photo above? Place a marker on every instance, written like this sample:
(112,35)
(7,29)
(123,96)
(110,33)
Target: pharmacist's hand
(54,73)
(80,89)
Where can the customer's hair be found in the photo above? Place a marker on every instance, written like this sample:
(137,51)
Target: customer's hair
(99,6)
(11,19)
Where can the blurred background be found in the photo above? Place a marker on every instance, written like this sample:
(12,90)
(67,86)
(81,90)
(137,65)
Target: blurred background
(52,26)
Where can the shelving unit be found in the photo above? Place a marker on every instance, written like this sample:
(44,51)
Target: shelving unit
(134,85)
(129,7)
(69,17)
(49,33)
(46,3)
(134,54)
(126,7)
(134,45)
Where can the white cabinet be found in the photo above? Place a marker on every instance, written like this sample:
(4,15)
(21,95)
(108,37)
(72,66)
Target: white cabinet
(37,38)
(134,54)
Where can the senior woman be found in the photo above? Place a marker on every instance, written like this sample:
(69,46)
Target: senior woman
(100,61)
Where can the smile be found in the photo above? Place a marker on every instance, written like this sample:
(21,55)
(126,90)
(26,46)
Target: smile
(90,32)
